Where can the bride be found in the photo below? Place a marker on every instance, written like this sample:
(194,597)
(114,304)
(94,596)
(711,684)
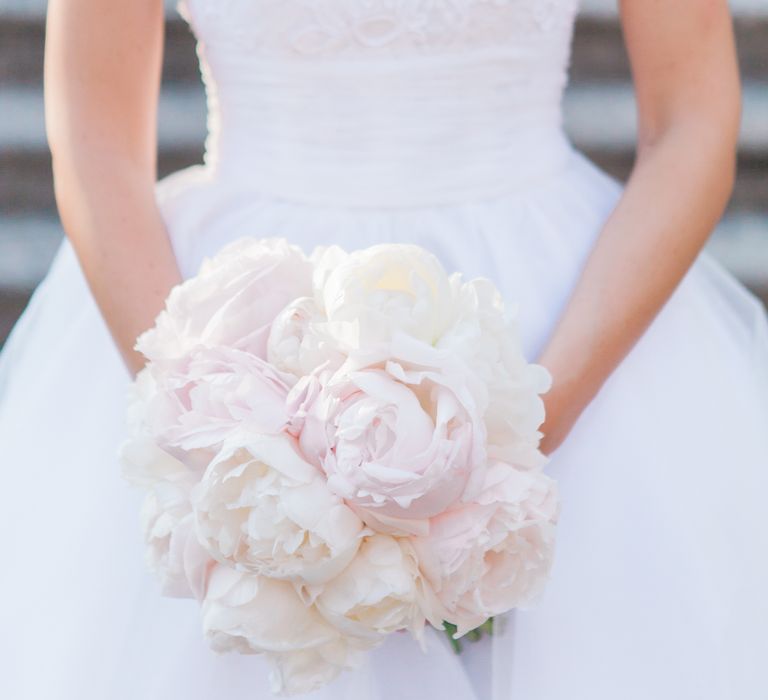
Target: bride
(436,122)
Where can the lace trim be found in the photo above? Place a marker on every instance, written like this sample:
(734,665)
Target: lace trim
(330,27)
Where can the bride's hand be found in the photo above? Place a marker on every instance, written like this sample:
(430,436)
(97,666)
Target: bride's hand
(560,418)
(563,403)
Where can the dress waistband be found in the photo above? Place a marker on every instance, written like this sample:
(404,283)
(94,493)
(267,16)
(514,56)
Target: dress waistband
(422,133)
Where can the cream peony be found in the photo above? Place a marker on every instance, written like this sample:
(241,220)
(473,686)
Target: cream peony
(173,552)
(374,293)
(398,443)
(487,557)
(299,341)
(379,592)
(486,338)
(261,508)
(231,302)
(253,614)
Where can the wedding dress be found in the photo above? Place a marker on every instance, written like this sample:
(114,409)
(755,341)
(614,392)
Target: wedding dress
(436,122)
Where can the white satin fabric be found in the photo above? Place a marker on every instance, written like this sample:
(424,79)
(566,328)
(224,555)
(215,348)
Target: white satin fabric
(435,122)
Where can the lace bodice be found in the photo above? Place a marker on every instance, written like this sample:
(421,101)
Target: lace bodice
(383,101)
(368,28)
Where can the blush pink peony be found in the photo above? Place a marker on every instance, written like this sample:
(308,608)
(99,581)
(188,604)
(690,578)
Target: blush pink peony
(494,554)
(397,442)
(231,302)
(212,392)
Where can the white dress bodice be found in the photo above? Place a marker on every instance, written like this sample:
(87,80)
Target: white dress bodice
(383,102)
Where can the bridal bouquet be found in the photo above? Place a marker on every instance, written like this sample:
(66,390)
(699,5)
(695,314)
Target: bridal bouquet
(335,448)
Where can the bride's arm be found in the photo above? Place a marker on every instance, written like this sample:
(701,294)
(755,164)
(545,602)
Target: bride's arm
(102,75)
(686,79)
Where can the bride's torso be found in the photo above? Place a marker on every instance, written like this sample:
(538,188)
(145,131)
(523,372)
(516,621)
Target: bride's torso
(383,102)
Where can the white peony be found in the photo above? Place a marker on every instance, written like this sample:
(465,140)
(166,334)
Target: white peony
(261,508)
(254,614)
(485,336)
(380,592)
(299,341)
(371,294)
(173,553)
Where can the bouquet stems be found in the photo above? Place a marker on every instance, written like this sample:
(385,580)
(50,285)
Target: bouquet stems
(473,635)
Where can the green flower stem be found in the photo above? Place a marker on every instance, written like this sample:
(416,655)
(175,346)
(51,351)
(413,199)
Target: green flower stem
(473,635)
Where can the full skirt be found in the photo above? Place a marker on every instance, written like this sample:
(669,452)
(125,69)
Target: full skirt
(661,570)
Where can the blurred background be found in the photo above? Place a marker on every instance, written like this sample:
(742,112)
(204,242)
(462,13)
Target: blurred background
(600,118)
